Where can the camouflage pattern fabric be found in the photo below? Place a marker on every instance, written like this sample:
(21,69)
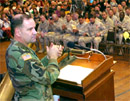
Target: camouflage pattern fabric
(31,77)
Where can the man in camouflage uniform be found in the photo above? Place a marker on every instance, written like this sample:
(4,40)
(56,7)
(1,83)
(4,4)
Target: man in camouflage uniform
(31,77)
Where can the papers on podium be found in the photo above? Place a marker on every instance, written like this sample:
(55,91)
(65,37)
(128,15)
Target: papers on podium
(74,73)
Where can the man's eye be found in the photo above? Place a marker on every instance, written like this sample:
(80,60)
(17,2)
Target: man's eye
(30,29)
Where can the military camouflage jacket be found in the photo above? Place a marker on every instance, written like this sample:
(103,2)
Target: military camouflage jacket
(31,77)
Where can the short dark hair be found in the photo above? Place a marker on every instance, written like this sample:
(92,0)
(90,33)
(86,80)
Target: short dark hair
(18,21)
(104,12)
(81,16)
(69,14)
(128,7)
(92,16)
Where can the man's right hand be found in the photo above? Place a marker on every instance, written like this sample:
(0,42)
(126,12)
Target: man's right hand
(54,51)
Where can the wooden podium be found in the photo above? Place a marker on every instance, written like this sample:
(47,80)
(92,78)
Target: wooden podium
(98,85)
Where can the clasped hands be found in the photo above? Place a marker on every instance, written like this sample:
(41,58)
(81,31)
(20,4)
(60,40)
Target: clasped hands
(54,51)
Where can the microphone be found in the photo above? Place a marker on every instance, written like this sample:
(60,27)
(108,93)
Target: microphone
(72,45)
(74,51)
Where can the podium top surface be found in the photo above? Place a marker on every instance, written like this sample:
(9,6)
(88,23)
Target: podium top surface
(93,62)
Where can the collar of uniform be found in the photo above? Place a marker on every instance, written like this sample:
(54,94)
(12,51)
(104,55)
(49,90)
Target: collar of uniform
(15,41)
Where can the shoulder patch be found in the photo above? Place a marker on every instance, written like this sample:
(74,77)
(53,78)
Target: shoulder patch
(26,56)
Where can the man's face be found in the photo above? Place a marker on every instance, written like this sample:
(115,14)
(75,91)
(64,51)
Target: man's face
(120,7)
(123,3)
(92,20)
(42,18)
(68,18)
(127,11)
(104,15)
(110,13)
(114,9)
(121,15)
(97,8)
(28,32)
(81,20)
(55,18)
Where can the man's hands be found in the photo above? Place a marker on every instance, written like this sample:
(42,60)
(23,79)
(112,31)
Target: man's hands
(75,30)
(98,34)
(54,51)
(64,27)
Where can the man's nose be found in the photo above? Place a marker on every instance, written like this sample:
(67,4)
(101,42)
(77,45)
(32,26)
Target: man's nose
(34,31)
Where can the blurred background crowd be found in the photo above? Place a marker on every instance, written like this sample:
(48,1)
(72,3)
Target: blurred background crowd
(60,21)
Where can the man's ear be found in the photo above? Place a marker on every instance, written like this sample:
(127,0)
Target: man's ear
(17,32)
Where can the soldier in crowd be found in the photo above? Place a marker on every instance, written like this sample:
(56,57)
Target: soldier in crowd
(79,30)
(108,7)
(31,77)
(115,11)
(120,8)
(55,29)
(67,28)
(75,17)
(97,8)
(112,16)
(62,15)
(41,33)
(95,32)
(122,25)
(68,24)
(123,3)
(81,27)
(108,23)
(96,14)
(127,11)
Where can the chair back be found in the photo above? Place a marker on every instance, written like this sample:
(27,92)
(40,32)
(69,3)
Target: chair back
(6,89)
(111,36)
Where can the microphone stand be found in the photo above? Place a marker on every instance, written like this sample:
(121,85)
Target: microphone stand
(90,54)
(68,54)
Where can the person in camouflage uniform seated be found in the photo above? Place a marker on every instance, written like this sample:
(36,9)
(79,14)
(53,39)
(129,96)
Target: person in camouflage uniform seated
(31,77)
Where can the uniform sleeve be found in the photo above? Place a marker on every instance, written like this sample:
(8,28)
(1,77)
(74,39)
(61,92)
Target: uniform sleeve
(103,29)
(45,61)
(83,30)
(126,26)
(45,71)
